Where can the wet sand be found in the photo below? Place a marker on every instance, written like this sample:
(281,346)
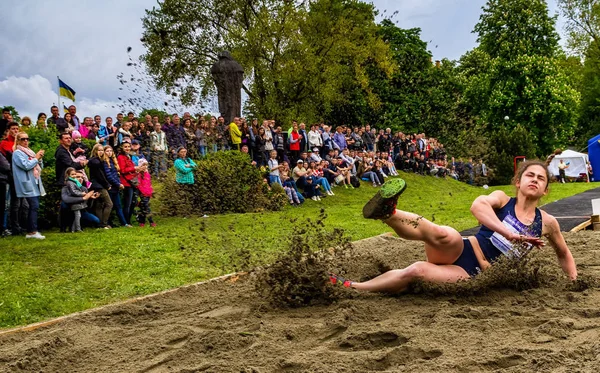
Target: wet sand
(225,326)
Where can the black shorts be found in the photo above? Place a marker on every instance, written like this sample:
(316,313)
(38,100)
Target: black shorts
(467,260)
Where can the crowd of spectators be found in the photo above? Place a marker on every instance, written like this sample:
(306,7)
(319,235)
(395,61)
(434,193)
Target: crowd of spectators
(130,152)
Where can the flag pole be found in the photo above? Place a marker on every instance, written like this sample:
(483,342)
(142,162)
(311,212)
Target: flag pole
(58,104)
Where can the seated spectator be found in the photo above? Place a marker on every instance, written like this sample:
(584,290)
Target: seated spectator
(319,179)
(345,170)
(299,174)
(145,189)
(75,188)
(365,172)
(184,167)
(288,181)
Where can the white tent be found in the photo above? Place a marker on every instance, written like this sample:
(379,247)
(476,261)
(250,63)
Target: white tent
(577,163)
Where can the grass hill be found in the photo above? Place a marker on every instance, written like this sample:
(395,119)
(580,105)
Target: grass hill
(71,272)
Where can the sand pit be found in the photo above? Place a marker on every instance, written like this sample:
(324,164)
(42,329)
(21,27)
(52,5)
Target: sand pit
(225,327)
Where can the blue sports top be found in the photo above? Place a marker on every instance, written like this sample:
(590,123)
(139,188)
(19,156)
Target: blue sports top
(493,244)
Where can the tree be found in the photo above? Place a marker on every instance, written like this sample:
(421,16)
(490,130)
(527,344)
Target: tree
(582,24)
(522,77)
(154,112)
(13,112)
(301,59)
(509,28)
(589,118)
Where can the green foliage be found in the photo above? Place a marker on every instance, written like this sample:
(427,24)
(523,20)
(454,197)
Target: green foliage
(512,28)
(47,140)
(507,144)
(154,112)
(582,25)
(302,60)
(518,83)
(14,113)
(589,119)
(224,182)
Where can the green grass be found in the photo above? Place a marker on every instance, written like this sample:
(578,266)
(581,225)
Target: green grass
(71,272)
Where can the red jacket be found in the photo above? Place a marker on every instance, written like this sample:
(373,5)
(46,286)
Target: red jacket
(127,169)
(296,138)
(6,145)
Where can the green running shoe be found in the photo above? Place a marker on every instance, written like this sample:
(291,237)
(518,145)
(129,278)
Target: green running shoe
(383,204)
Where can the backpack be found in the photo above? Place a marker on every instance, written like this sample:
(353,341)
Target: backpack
(354,181)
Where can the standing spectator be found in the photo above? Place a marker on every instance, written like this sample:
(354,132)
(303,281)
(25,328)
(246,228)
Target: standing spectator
(201,137)
(18,206)
(41,121)
(295,140)
(590,171)
(73,112)
(143,137)
(303,136)
(268,136)
(175,136)
(184,167)
(55,120)
(5,175)
(368,138)
(107,134)
(235,134)
(314,139)
(145,189)
(280,144)
(339,139)
(124,133)
(111,170)
(260,150)
(99,183)
(222,134)
(561,171)
(274,168)
(93,134)
(158,151)
(4,121)
(26,122)
(70,124)
(190,137)
(127,175)
(27,170)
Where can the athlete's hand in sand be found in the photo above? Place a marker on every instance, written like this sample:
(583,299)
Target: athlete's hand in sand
(520,238)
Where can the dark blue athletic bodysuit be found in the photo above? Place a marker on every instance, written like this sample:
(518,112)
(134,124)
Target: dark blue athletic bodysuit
(493,244)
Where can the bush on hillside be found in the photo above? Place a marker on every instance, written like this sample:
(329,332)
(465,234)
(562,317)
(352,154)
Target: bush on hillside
(224,182)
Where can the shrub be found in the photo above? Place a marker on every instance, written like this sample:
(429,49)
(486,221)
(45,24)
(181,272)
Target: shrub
(224,182)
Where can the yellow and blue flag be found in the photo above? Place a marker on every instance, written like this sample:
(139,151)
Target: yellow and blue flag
(65,91)
(66,109)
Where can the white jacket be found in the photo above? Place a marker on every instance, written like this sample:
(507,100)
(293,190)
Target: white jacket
(314,139)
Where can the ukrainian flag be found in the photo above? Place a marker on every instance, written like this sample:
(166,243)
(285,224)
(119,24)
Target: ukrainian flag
(65,91)
(66,109)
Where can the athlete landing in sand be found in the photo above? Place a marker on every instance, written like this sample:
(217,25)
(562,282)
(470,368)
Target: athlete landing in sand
(450,257)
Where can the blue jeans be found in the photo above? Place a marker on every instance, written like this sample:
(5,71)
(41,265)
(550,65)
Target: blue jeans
(274,179)
(89,217)
(34,205)
(202,150)
(127,201)
(324,183)
(116,200)
(370,175)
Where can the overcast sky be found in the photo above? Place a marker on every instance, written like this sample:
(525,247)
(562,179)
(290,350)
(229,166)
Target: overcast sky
(85,43)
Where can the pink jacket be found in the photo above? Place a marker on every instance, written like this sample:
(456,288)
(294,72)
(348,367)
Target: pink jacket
(145,185)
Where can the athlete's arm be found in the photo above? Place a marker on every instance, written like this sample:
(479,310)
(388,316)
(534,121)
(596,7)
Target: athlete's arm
(483,210)
(554,235)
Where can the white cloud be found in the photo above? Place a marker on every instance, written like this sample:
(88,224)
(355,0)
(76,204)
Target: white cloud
(34,94)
